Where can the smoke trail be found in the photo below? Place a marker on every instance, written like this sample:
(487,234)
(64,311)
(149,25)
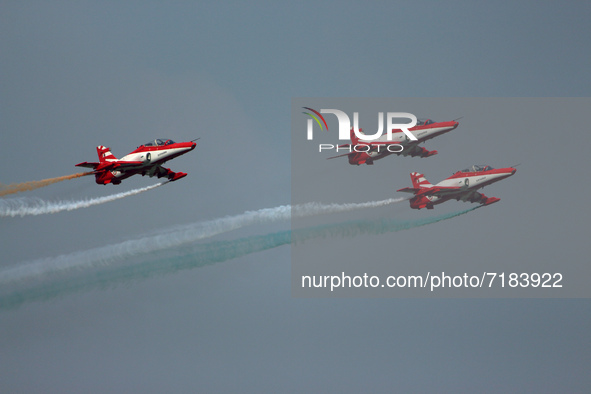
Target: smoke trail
(313,208)
(175,237)
(36,206)
(195,256)
(32,185)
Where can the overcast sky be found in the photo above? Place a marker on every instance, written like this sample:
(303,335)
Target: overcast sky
(80,74)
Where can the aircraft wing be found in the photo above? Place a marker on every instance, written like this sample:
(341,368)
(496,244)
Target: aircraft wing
(474,196)
(124,164)
(110,165)
(416,150)
(438,191)
(430,191)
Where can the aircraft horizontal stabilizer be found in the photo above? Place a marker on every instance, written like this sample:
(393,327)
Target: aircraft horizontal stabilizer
(88,165)
(408,190)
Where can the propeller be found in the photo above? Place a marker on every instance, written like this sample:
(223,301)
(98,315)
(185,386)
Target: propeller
(195,139)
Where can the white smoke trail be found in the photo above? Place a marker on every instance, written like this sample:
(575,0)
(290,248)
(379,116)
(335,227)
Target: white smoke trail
(174,237)
(196,255)
(313,208)
(35,206)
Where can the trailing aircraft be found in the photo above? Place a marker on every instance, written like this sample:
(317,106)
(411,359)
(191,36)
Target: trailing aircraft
(366,151)
(460,186)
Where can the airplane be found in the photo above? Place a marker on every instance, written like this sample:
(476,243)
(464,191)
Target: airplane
(147,159)
(460,186)
(366,152)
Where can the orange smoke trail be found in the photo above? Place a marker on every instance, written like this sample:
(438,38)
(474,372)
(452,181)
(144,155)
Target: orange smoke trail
(32,185)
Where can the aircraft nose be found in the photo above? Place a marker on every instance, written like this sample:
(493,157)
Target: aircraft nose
(456,124)
(514,171)
(193,145)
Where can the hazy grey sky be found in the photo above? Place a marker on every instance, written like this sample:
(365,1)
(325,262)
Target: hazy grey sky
(80,74)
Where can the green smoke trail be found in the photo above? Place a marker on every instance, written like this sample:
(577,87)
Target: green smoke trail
(197,255)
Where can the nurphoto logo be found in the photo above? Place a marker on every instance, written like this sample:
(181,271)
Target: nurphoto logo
(345,124)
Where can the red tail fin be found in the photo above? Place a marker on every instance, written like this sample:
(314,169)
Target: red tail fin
(418,180)
(354,138)
(104,154)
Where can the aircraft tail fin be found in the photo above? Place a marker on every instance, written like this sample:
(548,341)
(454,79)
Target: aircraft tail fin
(354,138)
(105,154)
(418,180)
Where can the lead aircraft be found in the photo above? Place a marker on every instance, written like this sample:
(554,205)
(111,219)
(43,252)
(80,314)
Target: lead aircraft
(366,151)
(460,186)
(147,159)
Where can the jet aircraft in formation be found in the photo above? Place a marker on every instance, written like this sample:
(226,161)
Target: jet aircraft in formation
(460,186)
(147,159)
(366,151)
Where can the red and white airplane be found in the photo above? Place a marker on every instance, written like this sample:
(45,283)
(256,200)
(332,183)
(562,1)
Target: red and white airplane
(460,186)
(366,152)
(146,160)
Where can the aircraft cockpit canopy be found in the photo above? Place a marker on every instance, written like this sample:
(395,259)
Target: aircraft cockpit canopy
(478,168)
(424,122)
(159,142)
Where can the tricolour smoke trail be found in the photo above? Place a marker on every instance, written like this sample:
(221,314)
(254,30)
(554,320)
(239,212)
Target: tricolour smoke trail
(174,237)
(36,206)
(32,185)
(195,256)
